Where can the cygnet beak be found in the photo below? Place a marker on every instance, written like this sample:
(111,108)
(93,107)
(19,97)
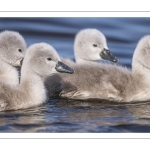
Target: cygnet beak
(18,62)
(21,62)
(61,67)
(106,54)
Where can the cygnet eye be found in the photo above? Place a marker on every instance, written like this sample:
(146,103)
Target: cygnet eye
(20,50)
(49,59)
(95,45)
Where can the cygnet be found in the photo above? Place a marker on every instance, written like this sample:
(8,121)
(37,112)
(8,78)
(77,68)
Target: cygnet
(90,45)
(41,59)
(107,81)
(12,51)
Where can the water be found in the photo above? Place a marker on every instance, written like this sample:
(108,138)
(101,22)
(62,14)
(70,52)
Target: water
(78,116)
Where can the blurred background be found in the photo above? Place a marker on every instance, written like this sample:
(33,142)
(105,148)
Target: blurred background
(122,33)
(60,115)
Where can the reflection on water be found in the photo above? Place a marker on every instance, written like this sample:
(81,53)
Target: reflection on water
(106,117)
(78,116)
(60,115)
(29,120)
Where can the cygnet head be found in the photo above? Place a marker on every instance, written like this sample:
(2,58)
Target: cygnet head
(141,55)
(91,45)
(43,60)
(12,47)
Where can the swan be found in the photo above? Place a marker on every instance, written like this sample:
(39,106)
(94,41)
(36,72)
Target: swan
(106,81)
(41,59)
(12,51)
(90,45)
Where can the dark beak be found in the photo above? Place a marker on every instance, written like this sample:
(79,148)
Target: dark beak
(21,62)
(106,54)
(61,67)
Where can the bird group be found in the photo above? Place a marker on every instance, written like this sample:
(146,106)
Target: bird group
(44,74)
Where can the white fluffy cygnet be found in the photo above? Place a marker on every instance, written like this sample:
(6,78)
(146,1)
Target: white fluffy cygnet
(40,60)
(12,51)
(107,81)
(90,45)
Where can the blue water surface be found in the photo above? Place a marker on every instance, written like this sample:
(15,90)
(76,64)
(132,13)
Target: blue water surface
(80,116)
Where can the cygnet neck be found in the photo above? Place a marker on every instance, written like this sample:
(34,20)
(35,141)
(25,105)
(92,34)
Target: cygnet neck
(140,69)
(8,73)
(82,61)
(32,83)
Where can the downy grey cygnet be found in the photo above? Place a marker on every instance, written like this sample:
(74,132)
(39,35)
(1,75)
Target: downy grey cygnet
(40,60)
(12,51)
(107,81)
(90,45)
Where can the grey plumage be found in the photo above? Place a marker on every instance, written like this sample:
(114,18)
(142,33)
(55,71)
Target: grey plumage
(12,51)
(88,46)
(106,81)
(40,60)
